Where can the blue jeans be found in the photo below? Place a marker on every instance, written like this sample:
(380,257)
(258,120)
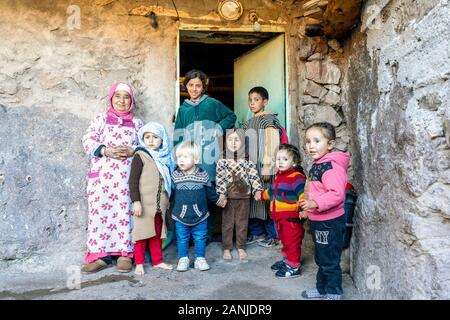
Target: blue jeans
(258,227)
(199,233)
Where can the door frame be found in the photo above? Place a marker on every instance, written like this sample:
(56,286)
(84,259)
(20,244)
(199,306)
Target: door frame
(242,28)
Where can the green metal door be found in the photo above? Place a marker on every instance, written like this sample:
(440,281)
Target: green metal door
(262,66)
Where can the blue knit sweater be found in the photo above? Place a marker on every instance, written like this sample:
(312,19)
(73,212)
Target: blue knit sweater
(191,193)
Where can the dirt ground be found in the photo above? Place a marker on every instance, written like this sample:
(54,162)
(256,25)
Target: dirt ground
(235,280)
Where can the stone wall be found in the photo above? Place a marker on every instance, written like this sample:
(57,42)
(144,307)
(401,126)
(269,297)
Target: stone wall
(319,78)
(53,80)
(395,94)
(319,62)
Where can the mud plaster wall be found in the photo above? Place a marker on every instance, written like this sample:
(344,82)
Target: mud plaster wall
(396,101)
(53,81)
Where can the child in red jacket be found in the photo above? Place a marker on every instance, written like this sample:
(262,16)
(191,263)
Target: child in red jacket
(324,203)
(284,195)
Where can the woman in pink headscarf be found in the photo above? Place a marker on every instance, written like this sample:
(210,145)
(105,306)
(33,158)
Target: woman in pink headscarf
(110,140)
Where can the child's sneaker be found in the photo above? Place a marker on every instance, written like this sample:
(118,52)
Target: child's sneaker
(268,242)
(252,239)
(183,264)
(201,264)
(278,265)
(312,294)
(287,271)
(331,296)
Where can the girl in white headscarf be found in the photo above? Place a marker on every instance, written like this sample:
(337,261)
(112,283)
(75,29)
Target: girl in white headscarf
(150,189)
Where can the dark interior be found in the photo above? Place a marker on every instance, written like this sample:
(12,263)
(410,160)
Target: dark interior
(214,53)
(216,60)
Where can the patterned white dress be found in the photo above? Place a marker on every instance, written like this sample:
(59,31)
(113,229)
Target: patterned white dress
(109,223)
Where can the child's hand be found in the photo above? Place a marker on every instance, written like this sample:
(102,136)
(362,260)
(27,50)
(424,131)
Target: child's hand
(137,209)
(258,195)
(307,204)
(303,215)
(222,202)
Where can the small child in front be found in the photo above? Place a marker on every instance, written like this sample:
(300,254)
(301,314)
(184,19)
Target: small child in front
(284,195)
(150,188)
(325,206)
(192,192)
(236,181)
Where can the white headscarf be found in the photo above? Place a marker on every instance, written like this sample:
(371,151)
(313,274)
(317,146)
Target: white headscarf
(163,156)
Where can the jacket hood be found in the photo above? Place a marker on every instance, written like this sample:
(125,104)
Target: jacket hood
(342,159)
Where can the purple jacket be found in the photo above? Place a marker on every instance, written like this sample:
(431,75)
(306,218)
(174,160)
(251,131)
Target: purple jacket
(327,180)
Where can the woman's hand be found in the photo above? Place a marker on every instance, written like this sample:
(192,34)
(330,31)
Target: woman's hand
(137,209)
(120,152)
(128,151)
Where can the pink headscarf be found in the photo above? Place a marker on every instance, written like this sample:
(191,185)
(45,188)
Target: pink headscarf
(111,111)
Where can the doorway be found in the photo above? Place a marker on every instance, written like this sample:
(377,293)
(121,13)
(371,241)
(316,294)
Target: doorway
(235,62)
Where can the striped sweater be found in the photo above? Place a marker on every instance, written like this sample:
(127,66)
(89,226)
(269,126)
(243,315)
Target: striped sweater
(284,193)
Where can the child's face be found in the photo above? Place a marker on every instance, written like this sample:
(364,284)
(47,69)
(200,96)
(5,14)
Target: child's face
(284,160)
(256,103)
(121,101)
(317,145)
(195,88)
(152,141)
(234,143)
(185,160)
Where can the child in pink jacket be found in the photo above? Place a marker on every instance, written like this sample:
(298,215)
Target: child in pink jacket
(325,206)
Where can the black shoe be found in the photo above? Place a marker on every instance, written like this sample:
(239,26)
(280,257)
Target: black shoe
(268,242)
(288,272)
(277,265)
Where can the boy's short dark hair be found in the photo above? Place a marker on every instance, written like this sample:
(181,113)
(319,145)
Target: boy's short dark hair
(261,91)
(327,129)
(194,73)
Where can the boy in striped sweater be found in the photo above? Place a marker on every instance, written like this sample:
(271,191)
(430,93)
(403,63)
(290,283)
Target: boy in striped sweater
(284,195)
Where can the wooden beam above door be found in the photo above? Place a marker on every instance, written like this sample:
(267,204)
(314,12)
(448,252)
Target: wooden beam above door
(223,37)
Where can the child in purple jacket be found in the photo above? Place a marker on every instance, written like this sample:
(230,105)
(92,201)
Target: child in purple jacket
(325,206)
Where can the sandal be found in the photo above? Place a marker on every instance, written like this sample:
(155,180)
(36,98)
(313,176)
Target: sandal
(95,266)
(124,264)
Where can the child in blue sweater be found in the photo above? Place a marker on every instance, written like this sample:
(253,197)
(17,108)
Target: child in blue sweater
(192,192)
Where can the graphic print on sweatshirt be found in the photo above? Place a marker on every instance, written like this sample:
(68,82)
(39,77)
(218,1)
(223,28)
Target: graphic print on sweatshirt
(318,170)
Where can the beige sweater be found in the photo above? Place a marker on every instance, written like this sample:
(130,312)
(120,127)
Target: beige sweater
(144,226)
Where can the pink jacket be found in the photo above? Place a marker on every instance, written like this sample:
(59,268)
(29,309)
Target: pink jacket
(327,180)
